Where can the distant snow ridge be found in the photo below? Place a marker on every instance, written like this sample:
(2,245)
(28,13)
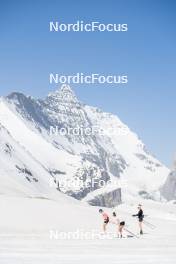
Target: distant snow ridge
(89,150)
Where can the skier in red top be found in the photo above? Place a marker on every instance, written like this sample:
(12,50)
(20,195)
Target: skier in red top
(105,219)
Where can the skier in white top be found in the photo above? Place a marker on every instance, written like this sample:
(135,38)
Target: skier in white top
(119,223)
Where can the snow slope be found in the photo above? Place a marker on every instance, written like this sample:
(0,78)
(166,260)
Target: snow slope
(54,161)
(143,171)
(30,232)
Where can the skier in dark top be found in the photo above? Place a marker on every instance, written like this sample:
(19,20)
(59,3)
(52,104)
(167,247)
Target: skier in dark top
(140,216)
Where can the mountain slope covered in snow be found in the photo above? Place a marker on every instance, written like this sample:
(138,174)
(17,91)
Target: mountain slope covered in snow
(81,150)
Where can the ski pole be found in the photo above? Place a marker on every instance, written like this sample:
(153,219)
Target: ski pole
(127,231)
(131,233)
(149,225)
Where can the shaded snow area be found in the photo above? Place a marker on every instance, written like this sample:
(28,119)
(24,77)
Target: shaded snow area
(65,231)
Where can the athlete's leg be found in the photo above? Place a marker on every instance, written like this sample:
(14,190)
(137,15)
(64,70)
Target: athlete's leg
(140,227)
(104,227)
(120,230)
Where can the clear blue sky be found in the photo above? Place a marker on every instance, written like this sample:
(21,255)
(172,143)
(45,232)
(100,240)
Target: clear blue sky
(147,53)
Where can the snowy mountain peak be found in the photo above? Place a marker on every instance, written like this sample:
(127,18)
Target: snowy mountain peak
(66,88)
(65,95)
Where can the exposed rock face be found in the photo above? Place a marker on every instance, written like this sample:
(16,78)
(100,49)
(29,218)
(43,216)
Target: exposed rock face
(110,199)
(169,188)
